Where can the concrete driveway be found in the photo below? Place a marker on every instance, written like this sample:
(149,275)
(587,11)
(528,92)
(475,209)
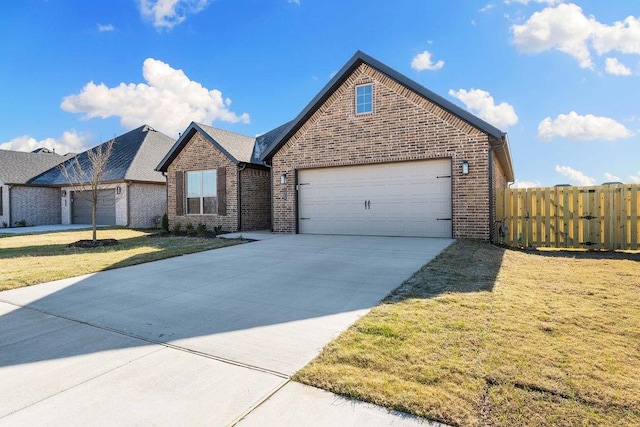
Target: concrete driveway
(203,339)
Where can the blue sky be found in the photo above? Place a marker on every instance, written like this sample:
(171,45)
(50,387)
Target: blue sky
(561,77)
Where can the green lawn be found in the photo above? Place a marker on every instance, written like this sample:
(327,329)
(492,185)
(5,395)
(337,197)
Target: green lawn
(37,258)
(484,336)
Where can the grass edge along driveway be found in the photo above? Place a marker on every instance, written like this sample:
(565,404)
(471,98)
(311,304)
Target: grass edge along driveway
(486,336)
(30,259)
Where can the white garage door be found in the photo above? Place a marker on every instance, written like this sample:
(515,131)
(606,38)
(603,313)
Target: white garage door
(392,199)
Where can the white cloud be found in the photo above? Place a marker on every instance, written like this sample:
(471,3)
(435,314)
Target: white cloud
(611,177)
(487,8)
(69,142)
(169,101)
(575,177)
(169,13)
(575,126)
(617,68)
(564,28)
(526,184)
(422,61)
(549,2)
(481,103)
(294,2)
(105,27)
(634,179)
(623,36)
(567,29)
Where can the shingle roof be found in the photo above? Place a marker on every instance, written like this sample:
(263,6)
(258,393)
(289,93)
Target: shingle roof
(500,139)
(133,157)
(18,167)
(238,148)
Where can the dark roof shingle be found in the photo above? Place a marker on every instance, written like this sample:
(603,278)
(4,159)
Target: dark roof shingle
(238,148)
(18,167)
(133,157)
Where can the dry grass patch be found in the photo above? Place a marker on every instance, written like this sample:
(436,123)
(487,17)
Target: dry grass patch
(488,336)
(37,258)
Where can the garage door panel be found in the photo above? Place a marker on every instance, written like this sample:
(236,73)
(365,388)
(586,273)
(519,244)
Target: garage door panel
(105,208)
(405,199)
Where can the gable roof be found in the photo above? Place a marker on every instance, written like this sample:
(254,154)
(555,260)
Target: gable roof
(133,158)
(18,167)
(238,148)
(499,138)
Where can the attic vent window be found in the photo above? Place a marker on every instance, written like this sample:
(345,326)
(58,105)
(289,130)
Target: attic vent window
(364,99)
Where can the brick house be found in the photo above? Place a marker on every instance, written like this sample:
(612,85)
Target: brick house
(215,177)
(132,193)
(17,198)
(374,153)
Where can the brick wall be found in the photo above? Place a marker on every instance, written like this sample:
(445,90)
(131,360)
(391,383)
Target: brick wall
(36,205)
(199,154)
(146,201)
(404,126)
(255,199)
(4,204)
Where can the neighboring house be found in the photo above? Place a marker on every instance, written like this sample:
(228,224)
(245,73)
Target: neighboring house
(215,177)
(21,202)
(131,192)
(374,153)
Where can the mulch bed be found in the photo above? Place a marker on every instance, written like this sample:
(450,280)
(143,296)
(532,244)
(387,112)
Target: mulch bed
(89,244)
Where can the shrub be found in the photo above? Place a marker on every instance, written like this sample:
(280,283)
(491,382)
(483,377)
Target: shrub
(164,224)
(201,229)
(21,223)
(190,229)
(217,229)
(4,224)
(177,228)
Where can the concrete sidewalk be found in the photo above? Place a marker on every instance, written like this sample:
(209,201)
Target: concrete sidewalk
(203,339)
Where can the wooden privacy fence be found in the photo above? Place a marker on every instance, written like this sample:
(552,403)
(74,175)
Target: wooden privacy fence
(604,217)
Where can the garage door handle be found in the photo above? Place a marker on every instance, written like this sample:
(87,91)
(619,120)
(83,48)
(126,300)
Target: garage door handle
(443,219)
(367,204)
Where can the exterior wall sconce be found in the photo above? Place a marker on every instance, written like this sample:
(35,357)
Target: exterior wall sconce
(118,190)
(465,167)
(64,193)
(283,178)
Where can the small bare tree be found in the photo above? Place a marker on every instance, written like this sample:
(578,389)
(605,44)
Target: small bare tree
(85,177)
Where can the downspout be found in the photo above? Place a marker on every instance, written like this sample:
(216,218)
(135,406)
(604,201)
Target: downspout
(492,148)
(271,184)
(239,209)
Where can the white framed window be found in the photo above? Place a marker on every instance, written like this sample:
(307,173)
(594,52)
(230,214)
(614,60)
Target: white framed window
(364,99)
(201,193)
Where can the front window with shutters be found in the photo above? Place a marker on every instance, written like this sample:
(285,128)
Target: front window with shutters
(201,192)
